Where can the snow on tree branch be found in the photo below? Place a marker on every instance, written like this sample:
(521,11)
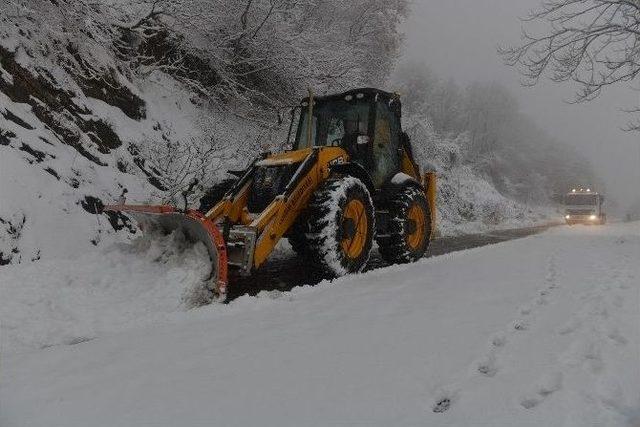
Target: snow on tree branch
(595,43)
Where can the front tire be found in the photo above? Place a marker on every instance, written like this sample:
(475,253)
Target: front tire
(298,237)
(409,230)
(341,226)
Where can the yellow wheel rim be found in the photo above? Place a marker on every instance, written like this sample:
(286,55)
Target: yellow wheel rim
(416,238)
(353,245)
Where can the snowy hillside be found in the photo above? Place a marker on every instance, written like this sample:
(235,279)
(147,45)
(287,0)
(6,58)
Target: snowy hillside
(468,202)
(541,331)
(76,129)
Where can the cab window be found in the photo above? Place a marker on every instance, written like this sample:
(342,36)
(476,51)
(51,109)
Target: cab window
(335,123)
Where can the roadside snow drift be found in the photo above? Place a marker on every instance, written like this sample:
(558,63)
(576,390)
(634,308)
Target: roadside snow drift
(542,331)
(66,301)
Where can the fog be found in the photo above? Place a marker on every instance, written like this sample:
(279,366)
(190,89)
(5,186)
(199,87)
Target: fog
(458,39)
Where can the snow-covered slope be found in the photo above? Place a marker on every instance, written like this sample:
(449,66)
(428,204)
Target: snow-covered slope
(468,201)
(542,331)
(77,127)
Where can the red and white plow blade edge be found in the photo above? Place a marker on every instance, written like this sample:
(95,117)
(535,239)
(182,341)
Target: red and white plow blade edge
(195,226)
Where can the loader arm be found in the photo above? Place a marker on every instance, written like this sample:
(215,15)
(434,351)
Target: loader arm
(429,182)
(260,235)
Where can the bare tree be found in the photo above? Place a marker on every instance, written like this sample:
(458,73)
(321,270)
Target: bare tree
(595,43)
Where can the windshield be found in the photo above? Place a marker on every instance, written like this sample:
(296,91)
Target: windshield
(333,123)
(581,199)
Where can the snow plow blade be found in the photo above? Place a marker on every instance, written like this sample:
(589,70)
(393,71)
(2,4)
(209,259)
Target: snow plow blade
(195,226)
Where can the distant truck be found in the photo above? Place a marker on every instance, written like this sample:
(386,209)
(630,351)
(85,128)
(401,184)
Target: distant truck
(584,207)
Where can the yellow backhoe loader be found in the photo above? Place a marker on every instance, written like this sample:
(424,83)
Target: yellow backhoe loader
(349,179)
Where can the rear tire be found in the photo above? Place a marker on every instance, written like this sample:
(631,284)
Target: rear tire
(341,225)
(409,230)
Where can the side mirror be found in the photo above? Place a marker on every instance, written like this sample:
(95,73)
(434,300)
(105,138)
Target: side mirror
(362,139)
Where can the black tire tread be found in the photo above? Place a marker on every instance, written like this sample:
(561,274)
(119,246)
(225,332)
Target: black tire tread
(320,217)
(393,248)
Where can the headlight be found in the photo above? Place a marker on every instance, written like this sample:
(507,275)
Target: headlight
(567,217)
(593,217)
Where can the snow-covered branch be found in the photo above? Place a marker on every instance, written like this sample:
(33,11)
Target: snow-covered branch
(595,43)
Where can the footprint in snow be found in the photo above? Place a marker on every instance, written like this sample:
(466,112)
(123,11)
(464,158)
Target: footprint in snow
(585,353)
(69,341)
(442,405)
(487,366)
(499,339)
(570,326)
(77,340)
(551,270)
(542,301)
(520,325)
(593,358)
(614,334)
(611,395)
(530,402)
(547,385)
(525,310)
(444,400)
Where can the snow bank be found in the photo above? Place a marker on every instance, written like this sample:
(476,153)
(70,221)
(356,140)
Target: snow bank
(66,301)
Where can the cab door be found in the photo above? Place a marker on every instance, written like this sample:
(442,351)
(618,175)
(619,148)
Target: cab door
(386,141)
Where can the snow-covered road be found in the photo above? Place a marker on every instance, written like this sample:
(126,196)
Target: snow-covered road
(541,331)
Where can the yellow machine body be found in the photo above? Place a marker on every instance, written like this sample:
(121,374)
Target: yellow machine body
(271,224)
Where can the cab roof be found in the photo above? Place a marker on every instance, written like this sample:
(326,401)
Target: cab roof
(581,191)
(361,93)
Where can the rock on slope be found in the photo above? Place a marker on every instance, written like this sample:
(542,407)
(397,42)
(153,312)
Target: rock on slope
(75,128)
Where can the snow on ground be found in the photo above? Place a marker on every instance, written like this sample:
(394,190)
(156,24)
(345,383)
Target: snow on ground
(542,331)
(65,301)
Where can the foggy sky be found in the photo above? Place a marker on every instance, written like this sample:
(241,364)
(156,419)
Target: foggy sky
(458,38)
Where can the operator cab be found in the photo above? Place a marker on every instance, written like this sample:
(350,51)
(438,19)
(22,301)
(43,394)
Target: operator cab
(364,122)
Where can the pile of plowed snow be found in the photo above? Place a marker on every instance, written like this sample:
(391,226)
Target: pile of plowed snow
(65,301)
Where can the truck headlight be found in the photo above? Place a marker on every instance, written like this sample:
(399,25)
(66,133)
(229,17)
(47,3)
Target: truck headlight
(593,217)
(567,217)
